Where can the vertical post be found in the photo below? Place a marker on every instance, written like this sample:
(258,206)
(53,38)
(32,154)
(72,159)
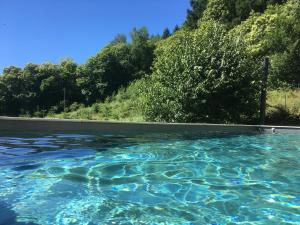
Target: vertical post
(263,97)
(64,99)
(285,101)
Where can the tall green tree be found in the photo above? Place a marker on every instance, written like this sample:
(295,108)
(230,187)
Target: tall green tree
(176,28)
(32,80)
(166,33)
(12,91)
(195,13)
(104,73)
(59,79)
(119,38)
(142,50)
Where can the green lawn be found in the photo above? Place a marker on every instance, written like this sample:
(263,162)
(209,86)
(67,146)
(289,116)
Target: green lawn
(287,99)
(283,107)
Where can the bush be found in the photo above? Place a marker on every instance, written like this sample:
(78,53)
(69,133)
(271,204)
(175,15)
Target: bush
(126,105)
(203,76)
(281,115)
(96,108)
(40,113)
(75,106)
(275,33)
(285,68)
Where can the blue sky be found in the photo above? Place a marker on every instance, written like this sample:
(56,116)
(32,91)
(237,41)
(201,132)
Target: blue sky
(40,31)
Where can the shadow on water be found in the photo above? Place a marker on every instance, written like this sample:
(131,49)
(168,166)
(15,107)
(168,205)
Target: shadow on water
(9,217)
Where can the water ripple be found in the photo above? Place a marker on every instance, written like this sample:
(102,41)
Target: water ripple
(165,179)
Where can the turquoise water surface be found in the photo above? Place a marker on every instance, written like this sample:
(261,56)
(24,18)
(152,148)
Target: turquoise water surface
(144,179)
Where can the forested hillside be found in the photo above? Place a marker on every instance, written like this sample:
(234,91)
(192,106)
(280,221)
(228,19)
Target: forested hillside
(209,69)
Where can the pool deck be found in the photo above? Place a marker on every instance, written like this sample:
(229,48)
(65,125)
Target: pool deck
(18,124)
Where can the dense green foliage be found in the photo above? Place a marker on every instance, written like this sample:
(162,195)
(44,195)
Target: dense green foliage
(126,105)
(276,33)
(38,89)
(229,12)
(207,70)
(195,13)
(211,73)
(204,75)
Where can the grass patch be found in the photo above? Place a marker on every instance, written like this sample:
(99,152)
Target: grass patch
(289,99)
(283,107)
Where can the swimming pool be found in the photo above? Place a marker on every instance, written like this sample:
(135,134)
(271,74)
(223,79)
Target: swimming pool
(149,179)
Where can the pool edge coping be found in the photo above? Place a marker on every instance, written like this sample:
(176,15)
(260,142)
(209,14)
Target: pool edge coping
(21,124)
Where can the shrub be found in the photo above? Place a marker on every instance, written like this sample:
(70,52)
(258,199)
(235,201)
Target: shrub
(203,76)
(75,106)
(281,115)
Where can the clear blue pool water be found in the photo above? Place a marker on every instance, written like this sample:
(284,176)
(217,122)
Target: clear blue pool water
(162,179)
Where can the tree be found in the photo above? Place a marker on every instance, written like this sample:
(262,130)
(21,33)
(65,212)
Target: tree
(57,80)
(12,95)
(229,12)
(139,36)
(244,7)
(275,33)
(32,80)
(203,76)
(68,74)
(50,85)
(3,99)
(166,33)
(142,51)
(119,38)
(116,65)
(222,11)
(104,73)
(285,67)
(195,13)
(176,28)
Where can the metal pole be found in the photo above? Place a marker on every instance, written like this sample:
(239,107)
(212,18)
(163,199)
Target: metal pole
(64,99)
(263,97)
